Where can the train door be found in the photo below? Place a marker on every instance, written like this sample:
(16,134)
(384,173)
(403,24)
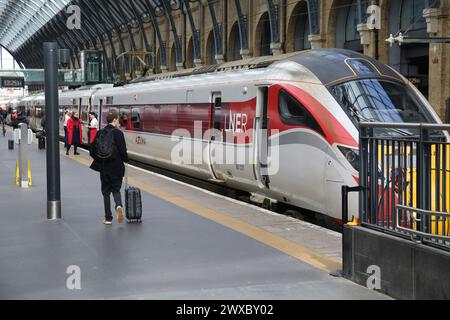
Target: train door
(261,138)
(99,113)
(84,117)
(216,145)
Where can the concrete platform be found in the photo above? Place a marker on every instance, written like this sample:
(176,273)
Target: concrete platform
(191,245)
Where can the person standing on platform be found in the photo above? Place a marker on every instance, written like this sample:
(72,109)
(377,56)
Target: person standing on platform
(74,133)
(66,119)
(93,127)
(14,120)
(109,151)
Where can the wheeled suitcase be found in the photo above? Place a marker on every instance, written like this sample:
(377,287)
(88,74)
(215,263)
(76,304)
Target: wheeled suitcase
(41,143)
(133,202)
(11,144)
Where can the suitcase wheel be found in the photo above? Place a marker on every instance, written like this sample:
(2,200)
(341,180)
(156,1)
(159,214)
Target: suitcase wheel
(134,221)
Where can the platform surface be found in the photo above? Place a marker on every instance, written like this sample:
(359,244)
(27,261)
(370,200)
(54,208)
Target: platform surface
(191,245)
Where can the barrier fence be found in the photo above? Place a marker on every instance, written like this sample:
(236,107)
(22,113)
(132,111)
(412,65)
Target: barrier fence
(405,181)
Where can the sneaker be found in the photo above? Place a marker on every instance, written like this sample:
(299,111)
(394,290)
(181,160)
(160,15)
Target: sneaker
(107,222)
(119,211)
(67,153)
(76,154)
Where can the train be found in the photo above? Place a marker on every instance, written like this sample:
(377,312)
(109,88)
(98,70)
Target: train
(283,129)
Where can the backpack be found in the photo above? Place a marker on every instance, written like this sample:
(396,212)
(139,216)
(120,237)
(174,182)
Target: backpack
(105,146)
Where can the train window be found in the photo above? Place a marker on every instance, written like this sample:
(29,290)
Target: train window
(201,114)
(136,118)
(293,113)
(380,101)
(362,67)
(217,112)
(105,111)
(168,119)
(150,121)
(84,114)
(124,119)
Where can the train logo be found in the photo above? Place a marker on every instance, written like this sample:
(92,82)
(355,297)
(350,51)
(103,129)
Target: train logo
(140,140)
(236,123)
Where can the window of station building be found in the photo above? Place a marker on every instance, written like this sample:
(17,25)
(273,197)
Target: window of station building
(411,17)
(351,32)
(301,29)
(265,49)
(234,48)
(293,113)
(348,14)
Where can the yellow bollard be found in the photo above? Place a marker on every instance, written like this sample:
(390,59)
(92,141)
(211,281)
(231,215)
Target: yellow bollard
(17,173)
(354,222)
(30,178)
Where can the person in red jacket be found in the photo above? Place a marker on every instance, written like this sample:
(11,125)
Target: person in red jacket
(74,133)
(92,127)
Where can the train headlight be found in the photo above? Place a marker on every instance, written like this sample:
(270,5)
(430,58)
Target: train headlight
(352,156)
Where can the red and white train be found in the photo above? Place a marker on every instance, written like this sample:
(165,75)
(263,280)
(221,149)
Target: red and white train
(294,117)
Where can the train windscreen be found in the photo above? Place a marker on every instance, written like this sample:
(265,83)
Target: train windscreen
(375,100)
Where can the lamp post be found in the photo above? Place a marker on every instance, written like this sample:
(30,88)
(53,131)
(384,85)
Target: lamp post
(52,57)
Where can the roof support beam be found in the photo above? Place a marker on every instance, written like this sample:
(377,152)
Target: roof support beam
(216,29)
(162,43)
(95,17)
(176,37)
(195,31)
(140,21)
(242,23)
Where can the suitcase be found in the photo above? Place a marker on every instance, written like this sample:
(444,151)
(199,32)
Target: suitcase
(41,143)
(11,144)
(133,203)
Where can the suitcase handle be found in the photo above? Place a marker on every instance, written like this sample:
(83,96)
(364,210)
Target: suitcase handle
(126,175)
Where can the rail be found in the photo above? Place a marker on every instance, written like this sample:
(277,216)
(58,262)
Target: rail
(405,181)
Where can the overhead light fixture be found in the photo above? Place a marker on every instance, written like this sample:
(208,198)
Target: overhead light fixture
(174,4)
(159,12)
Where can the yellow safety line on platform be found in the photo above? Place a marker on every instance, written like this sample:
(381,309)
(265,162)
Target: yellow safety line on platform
(288,247)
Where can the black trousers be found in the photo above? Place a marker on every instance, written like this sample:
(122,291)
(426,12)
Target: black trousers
(75,147)
(66,138)
(110,184)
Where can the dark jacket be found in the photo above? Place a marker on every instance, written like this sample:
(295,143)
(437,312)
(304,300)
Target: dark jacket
(115,166)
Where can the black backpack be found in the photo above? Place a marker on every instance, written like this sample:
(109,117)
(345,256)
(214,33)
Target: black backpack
(105,145)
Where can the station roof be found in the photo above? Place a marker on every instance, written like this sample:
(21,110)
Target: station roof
(20,19)
(26,24)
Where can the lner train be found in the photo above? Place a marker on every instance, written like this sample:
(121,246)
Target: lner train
(281,128)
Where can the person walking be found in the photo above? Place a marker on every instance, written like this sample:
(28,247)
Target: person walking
(74,133)
(109,152)
(93,127)
(2,121)
(66,119)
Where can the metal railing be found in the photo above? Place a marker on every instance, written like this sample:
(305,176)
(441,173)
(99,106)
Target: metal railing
(405,180)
